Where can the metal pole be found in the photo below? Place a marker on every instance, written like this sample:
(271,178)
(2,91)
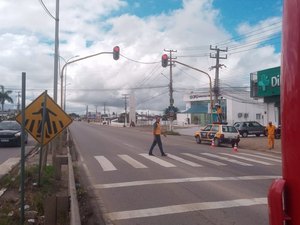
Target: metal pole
(76,60)
(210,85)
(56,54)
(23,148)
(42,138)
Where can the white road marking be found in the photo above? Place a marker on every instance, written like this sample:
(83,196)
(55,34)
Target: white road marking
(174,209)
(262,157)
(105,163)
(2,191)
(132,161)
(247,159)
(158,160)
(181,180)
(278,156)
(7,165)
(227,159)
(184,161)
(205,159)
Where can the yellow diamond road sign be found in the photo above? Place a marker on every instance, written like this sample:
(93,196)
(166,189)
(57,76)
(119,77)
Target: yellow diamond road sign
(55,121)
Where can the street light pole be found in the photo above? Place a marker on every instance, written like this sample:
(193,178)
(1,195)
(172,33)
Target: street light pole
(210,85)
(63,99)
(76,60)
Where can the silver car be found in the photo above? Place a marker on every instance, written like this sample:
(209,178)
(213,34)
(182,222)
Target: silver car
(250,127)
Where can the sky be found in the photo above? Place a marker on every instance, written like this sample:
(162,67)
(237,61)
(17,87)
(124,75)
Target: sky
(249,30)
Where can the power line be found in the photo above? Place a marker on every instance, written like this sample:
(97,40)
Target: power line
(136,61)
(248,34)
(46,10)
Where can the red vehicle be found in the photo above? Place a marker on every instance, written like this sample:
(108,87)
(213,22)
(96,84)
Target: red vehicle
(284,194)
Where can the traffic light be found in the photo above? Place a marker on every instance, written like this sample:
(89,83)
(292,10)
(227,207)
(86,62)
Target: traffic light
(164,60)
(116,52)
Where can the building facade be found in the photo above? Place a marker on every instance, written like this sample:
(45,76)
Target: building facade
(261,105)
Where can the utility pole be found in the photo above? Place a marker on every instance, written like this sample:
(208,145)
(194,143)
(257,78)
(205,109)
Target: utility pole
(104,108)
(125,104)
(217,66)
(87,111)
(18,104)
(171,111)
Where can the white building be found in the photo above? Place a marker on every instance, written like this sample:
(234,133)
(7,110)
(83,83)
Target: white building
(236,106)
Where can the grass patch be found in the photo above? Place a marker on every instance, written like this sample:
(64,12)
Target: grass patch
(34,195)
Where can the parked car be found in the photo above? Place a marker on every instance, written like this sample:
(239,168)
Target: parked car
(218,133)
(10,133)
(250,127)
(278,132)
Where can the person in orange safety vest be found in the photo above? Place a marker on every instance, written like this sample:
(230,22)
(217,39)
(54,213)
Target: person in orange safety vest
(271,129)
(157,140)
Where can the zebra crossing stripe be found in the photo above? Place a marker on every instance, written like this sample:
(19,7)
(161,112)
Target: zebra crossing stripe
(204,159)
(105,163)
(158,160)
(262,157)
(184,161)
(132,161)
(227,159)
(250,160)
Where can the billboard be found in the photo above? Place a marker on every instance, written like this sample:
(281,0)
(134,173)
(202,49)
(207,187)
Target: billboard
(268,82)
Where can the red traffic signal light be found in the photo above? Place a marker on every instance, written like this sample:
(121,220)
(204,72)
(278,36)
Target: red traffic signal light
(164,60)
(116,52)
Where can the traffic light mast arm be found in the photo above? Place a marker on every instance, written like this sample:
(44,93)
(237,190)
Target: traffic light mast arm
(201,71)
(82,58)
(76,60)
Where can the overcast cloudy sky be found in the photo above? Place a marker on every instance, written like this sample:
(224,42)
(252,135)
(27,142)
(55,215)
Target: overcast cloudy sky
(251,29)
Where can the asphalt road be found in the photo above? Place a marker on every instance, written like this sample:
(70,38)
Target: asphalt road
(9,156)
(194,184)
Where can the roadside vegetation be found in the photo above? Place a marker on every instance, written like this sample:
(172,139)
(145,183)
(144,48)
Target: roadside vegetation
(35,195)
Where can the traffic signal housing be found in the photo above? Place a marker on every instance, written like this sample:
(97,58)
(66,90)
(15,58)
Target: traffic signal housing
(164,60)
(116,52)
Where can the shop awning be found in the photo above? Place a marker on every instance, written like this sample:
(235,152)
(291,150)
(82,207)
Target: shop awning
(197,109)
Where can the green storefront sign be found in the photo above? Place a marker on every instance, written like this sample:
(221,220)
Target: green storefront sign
(268,82)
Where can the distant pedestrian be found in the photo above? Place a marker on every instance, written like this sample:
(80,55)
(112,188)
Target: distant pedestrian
(156,135)
(219,113)
(271,129)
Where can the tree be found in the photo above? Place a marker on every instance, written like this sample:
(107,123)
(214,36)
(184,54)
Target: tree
(171,110)
(4,96)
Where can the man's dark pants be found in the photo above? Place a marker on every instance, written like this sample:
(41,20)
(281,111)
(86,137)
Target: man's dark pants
(157,140)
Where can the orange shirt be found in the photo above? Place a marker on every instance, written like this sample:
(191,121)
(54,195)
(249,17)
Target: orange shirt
(219,110)
(271,129)
(156,128)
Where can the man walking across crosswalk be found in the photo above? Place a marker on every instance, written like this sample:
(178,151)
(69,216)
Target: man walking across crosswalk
(157,140)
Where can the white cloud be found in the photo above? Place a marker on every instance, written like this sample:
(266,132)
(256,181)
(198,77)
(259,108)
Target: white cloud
(27,40)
